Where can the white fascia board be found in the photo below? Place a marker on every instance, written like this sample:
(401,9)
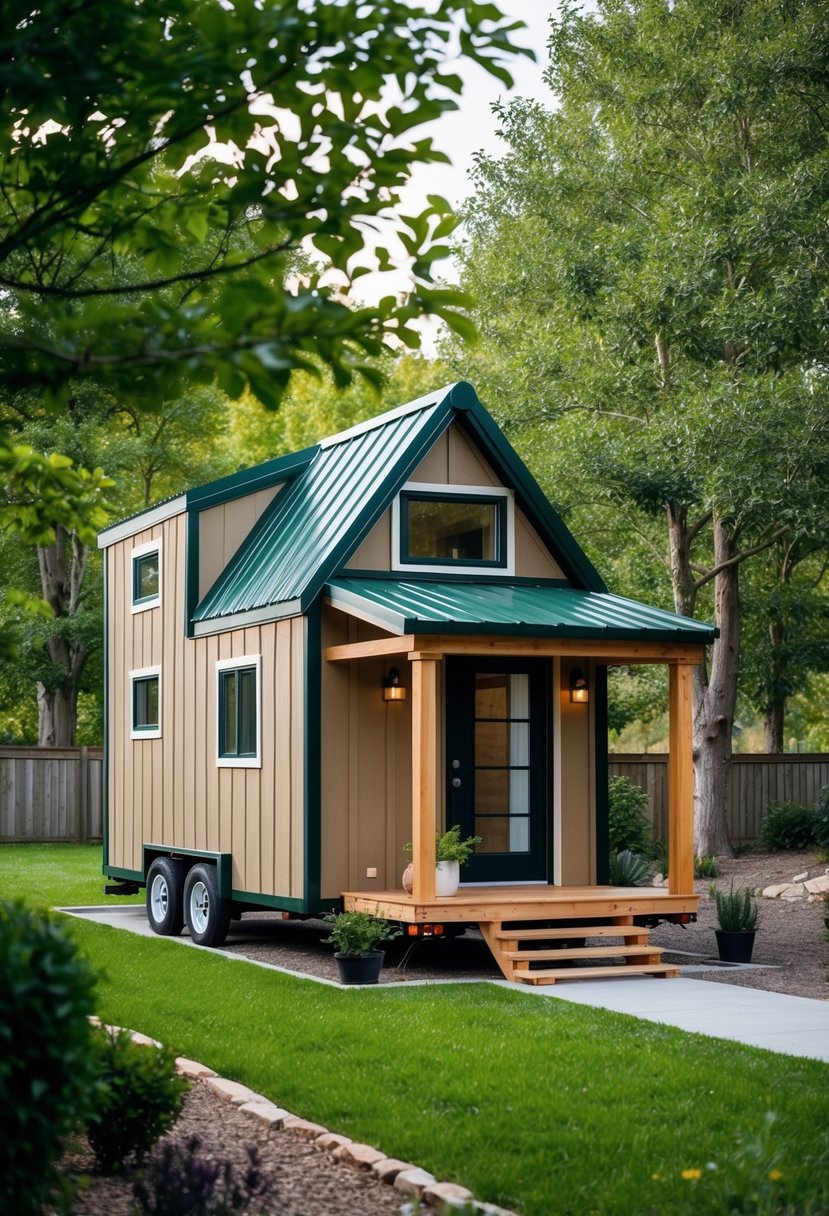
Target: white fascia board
(138,523)
(256,616)
(400,411)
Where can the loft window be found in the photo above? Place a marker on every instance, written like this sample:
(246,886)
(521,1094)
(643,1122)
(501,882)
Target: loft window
(146,576)
(460,530)
(238,711)
(145,697)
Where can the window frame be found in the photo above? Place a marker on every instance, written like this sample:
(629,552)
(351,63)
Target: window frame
(502,497)
(138,676)
(244,662)
(136,555)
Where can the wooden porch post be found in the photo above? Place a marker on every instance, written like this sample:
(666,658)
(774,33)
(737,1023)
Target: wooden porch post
(680,781)
(424,773)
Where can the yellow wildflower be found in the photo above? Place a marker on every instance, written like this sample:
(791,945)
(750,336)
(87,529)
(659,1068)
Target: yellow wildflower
(775,1175)
(691,1175)
(656,1177)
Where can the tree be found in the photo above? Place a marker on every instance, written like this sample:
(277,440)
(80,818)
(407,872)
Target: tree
(246,132)
(649,263)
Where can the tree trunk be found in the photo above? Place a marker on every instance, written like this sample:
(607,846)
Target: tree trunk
(715,691)
(714,703)
(62,570)
(773,723)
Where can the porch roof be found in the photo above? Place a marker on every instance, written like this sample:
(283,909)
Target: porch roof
(509,608)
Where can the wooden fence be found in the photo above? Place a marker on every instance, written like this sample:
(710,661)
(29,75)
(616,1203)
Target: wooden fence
(755,782)
(50,793)
(54,793)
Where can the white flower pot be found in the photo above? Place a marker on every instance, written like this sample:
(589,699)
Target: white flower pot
(447,878)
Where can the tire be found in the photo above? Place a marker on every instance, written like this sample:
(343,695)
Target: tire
(206,913)
(165,896)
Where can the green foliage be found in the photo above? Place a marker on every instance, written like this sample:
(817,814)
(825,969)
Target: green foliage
(627,869)
(210,287)
(629,826)
(450,847)
(821,820)
(705,867)
(788,825)
(139,1096)
(736,908)
(355,933)
(177,1181)
(46,1078)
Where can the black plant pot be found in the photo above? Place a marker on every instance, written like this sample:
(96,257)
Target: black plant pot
(735,945)
(360,968)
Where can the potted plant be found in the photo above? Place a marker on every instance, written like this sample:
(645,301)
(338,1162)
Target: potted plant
(355,936)
(450,854)
(737,917)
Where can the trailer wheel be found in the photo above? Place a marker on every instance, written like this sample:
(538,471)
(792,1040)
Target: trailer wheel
(206,913)
(165,896)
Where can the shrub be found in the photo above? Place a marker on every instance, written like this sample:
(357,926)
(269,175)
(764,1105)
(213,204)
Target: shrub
(139,1097)
(46,996)
(821,821)
(788,825)
(705,867)
(736,909)
(659,852)
(178,1182)
(627,869)
(629,825)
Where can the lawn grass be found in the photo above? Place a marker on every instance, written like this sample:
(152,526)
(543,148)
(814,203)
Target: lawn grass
(534,1103)
(56,875)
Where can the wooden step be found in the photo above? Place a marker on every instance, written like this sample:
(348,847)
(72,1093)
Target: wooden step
(627,951)
(554,975)
(568,931)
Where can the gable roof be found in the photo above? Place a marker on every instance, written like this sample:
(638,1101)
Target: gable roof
(342,488)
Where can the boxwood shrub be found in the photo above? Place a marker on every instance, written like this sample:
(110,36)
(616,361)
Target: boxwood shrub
(787,826)
(46,1071)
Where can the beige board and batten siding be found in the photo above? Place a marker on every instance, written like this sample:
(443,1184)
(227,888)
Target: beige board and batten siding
(222,530)
(454,460)
(366,767)
(576,784)
(169,791)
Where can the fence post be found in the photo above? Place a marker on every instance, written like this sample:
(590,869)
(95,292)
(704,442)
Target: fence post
(81,827)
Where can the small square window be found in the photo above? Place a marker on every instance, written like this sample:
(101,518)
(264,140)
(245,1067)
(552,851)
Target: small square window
(146,576)
(145,708)
(238,712)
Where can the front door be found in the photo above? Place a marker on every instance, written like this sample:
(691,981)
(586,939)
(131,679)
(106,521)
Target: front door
(498,765)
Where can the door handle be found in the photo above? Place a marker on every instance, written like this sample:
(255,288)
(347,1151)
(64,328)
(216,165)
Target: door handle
(456,783)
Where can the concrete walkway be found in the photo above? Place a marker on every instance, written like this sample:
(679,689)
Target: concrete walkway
(791,1025)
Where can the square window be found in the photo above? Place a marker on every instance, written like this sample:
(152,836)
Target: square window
(238,712)
(145,707)
(146,576)
(461,528)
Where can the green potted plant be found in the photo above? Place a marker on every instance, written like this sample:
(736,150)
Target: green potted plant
(356,936)
(450,854)
(737,917)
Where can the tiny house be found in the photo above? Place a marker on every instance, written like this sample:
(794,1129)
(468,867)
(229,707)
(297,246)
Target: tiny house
(318,660)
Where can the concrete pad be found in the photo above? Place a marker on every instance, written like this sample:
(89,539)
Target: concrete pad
(792,1025)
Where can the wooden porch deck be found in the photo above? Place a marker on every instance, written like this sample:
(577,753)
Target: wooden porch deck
(529,927)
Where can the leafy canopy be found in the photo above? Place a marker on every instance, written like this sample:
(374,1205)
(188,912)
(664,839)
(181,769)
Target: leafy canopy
(110,116)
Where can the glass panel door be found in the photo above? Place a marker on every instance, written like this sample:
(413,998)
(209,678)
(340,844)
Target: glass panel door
(498,765)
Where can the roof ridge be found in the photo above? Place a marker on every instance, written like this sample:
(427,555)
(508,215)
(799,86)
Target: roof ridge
(410,407)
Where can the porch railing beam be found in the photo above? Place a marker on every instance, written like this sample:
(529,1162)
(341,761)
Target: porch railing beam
(424,774)
(680,782)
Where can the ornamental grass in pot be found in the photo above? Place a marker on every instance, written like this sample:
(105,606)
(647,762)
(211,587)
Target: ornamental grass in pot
(737,915)
(355,936)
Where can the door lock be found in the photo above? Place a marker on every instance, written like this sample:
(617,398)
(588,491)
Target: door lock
(456,783)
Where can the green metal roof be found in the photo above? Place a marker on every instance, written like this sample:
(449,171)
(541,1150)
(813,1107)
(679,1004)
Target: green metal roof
(343,486)
(515,608)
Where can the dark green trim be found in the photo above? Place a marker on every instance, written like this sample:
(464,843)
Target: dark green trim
(439,576)
(312,726)
(248,481)
(191,576)
(602,803)
(499,562)
(137,683)
(222,861)
(137,563)
(119,872)
(270,901)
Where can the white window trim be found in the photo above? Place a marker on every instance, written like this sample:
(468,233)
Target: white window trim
(454,491)
(222,665)
(152,546)
(153,732)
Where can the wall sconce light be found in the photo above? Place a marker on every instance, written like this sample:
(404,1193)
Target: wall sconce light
(579,690)
(393,690)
